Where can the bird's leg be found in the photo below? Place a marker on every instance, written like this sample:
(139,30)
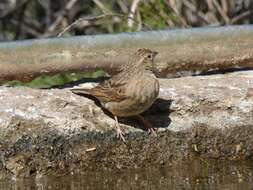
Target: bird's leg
(146,124)
(120,133)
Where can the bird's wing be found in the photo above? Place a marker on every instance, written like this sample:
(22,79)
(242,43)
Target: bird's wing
(110,91)
(80,91)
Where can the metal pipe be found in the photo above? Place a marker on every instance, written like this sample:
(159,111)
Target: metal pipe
(181,52)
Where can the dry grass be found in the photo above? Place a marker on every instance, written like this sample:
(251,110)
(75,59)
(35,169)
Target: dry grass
(23,19)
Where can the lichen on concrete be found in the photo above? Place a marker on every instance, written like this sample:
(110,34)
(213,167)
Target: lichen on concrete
(55,131)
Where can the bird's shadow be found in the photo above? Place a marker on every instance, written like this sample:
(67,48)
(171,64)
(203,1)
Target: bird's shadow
(157,115)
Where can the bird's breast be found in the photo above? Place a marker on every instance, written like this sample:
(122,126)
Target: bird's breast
(144,86)
(141,92)
(144,90)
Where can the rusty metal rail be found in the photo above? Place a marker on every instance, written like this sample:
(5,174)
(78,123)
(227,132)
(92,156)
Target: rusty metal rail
(181,52)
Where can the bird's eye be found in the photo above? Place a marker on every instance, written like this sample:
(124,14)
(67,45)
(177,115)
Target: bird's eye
(149,56)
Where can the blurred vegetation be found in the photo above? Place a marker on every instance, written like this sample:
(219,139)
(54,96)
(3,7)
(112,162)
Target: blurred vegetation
(57,80)
(28,19)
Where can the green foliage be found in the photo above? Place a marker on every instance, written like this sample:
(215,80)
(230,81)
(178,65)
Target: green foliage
(57,80)
(155,13)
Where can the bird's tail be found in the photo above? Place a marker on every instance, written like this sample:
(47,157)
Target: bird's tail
(80,91)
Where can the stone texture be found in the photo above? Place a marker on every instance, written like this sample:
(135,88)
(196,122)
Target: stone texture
(55,131)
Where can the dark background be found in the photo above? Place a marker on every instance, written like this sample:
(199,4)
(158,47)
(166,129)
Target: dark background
(27,19)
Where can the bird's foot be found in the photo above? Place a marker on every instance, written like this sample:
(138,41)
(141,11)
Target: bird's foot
(152,131)
(148,126)
(120,134)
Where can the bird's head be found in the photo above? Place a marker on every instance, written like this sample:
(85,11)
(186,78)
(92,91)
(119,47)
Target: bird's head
(146,58)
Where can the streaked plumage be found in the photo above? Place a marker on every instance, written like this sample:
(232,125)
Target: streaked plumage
(130,92)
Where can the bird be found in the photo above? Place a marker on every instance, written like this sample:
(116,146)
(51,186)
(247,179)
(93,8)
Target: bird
(130,92)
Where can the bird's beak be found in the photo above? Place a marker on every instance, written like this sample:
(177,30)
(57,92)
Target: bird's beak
(155,53)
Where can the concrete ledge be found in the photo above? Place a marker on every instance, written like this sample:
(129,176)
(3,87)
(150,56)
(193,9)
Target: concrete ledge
(55,131)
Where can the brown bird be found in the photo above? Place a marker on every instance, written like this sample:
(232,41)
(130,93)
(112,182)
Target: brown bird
(130,92)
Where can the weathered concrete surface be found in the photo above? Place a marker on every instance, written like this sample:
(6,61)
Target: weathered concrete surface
(181,52)
(55,131)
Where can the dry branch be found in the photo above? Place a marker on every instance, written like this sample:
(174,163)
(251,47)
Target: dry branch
(210,116)
(181,52)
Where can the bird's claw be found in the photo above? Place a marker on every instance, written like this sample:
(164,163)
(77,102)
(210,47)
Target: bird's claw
(152,131)
(121,134)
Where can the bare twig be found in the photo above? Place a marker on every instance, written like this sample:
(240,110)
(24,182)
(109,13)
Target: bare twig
(28,30)
(193,8)
(46,5)
(221,12)
(224,5)
(12,10)
(210,4)
(20,20)
(241,16)
(211,14)
(102,7)
(131,14)
(95,18)
(123,6)
(175,10)
(139,27)
(60,16)
(88,19)
(170,23)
